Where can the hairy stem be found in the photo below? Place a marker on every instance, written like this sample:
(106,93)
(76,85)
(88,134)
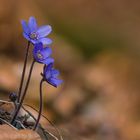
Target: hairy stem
(23,72)
(24,93)
(40,106)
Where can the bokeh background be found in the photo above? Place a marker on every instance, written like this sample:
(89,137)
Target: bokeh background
(97,49)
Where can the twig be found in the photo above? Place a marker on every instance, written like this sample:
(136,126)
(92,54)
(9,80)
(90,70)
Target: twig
(8,124)
(53,135)
(29,113)
(20,124)
(6,102)
(57,130)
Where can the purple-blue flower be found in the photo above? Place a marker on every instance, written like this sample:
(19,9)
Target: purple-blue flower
(42,55)
(36,34)
(51,75)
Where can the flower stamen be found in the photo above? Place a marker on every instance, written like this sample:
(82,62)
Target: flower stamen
(33,35)
(39,55)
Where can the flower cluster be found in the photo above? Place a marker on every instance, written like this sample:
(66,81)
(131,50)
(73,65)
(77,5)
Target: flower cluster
(41,51)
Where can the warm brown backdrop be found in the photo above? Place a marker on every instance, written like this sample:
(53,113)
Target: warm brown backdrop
(97,49)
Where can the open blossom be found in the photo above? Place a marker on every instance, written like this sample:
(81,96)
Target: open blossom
(51,75)
(36,34)
(42,55)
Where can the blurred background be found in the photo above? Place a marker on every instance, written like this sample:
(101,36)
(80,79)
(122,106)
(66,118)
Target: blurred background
(97,49)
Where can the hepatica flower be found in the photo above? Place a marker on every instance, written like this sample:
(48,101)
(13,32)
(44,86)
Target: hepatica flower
(51,75)
(36,34)
(42,55)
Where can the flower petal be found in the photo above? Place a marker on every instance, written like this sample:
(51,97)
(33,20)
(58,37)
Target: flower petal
(44,31)
(48,67)
(48,74)
(26,36)
(32,24)
(55,73)
(33,41)
(55,82)
(38,46)
(48,61)
(45,41)
(40,53)
(25,27)
(46,52)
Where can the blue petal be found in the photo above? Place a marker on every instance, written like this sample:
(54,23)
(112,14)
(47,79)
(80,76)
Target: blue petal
(55,82)
(47,74)
(25,27)
(26,36)
(46,52)
(44,31)
(45,41)
(32,24)
(48,67)
(48,61)
(38,46)
(34,41)
(55,73)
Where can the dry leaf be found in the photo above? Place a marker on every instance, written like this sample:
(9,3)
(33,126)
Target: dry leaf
(8,133)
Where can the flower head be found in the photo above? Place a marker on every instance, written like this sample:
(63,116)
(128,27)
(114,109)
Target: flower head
(42,55)
(36,34)
(51,75)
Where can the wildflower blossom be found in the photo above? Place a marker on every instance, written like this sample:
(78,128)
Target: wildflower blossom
(42,55)
(36,34)
(51,75)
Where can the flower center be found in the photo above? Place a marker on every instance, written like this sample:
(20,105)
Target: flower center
(33,35)
(39,55)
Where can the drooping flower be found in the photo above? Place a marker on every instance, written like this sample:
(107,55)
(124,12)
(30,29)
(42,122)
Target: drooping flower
(13,97)
(41,54)
(36,34)
(51,75)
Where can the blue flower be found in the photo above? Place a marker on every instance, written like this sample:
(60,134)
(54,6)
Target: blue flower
(36,34)
(51,75)
(41,54)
